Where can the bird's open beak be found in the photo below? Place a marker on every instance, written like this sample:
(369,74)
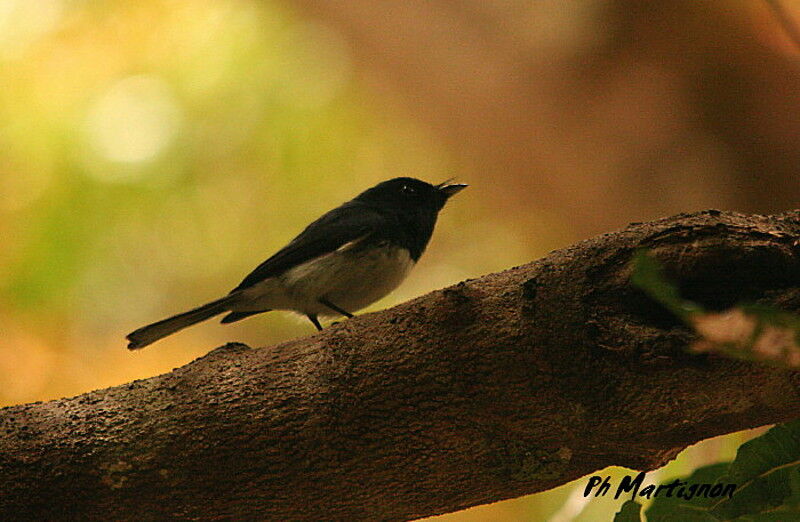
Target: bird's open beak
(450,189)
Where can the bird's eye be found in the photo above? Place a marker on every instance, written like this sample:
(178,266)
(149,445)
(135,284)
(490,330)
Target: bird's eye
(408,190)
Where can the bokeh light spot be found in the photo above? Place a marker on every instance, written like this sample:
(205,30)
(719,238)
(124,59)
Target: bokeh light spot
(134,121)
(22,22)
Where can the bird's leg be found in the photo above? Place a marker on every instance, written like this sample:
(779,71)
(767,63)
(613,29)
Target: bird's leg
(335,308)
(315,321)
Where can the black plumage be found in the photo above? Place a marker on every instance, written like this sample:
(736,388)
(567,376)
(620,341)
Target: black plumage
(353,254)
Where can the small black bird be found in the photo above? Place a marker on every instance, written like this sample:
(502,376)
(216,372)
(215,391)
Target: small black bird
(345,260)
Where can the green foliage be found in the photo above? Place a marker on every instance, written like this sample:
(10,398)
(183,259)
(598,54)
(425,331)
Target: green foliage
(695,509)
(649,277)
(629,512)
(766,471)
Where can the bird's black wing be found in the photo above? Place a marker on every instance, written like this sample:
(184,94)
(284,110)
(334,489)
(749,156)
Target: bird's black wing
(349,222)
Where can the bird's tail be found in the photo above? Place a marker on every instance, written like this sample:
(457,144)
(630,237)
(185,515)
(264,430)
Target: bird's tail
(153,332)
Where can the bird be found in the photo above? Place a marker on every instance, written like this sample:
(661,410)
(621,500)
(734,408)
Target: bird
(345,260)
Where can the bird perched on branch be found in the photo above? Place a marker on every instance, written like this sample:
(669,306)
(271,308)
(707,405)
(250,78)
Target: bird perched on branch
(347,259)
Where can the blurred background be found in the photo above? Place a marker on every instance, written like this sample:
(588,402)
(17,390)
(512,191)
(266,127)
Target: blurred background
(153,152)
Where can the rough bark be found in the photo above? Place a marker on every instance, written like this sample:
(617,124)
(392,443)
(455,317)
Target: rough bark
(494,388)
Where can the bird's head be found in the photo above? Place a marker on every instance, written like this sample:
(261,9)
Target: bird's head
(411,194)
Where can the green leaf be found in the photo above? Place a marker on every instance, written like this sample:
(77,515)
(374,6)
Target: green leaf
(631,511)
(773,516)
(648,276)
(767,472)
(691,505)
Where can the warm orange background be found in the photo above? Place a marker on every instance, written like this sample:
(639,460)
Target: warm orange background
(153,152)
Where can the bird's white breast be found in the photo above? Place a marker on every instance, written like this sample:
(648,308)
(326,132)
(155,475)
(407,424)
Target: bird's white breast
(352,277)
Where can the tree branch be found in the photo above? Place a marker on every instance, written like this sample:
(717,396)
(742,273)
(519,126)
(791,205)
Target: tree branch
(493,388)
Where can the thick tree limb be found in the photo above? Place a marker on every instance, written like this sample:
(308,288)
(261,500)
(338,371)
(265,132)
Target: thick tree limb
(497,387)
